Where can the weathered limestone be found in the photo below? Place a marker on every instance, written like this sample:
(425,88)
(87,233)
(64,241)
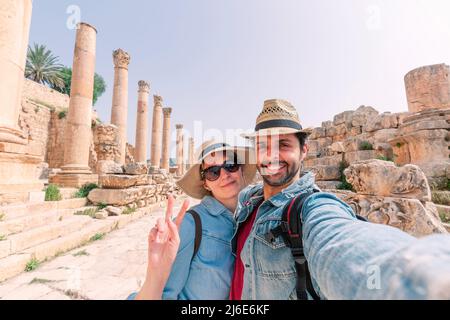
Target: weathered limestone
(142,122)
(109,167)
(396,196)
(129,154)
(78,133)
(382,121)
(113,211)
(155,157)
(15,19)
(18,159)
(428,87)
(166,139)
(383,178)
(112,181)
(353,156)
(409,215)
(180,170)
(106,146)
(420,138)
(119,112)
(423,139)
(334,160)
(326,173)
(136,168)
(121,197)
(191,159)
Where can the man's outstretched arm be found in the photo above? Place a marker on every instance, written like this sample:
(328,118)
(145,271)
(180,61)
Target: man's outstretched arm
(350,259)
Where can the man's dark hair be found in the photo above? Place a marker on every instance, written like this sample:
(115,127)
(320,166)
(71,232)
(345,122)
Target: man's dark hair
(302,137)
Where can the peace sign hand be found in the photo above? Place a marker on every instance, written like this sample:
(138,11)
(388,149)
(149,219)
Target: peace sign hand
(163,243)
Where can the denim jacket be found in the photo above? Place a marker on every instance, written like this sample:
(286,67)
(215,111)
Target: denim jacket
(208,275)
(348,259)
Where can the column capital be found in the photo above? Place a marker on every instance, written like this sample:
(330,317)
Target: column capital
(179,126)
(121,59)
(167,111)
(158,100)
(144,86)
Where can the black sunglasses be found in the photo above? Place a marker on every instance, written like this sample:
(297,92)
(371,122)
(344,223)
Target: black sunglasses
(213,173)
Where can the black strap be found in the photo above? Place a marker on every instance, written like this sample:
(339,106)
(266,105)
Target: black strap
(292,219)
(291,230)
(198,231)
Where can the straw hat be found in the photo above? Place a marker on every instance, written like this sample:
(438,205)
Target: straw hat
(277,117)
(192,183)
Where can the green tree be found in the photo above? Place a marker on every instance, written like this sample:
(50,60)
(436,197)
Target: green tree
(43,67)
(99,83)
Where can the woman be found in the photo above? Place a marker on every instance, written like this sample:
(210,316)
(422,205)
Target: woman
(220,173)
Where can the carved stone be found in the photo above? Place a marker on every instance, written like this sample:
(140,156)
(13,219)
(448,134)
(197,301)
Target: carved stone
(384,178)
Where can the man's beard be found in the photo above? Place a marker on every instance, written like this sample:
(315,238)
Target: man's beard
(291,171)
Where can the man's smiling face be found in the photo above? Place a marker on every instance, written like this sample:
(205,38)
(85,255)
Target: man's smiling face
(279,158)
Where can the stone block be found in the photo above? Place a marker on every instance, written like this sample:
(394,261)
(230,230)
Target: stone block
(136,168)
(384,178)
(408,215)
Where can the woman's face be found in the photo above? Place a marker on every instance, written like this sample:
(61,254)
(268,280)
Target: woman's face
(229,184)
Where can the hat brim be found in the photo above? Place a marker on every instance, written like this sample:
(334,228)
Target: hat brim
(192,184)
(273,132)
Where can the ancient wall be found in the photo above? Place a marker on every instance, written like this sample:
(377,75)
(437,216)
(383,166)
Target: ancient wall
(55,152)
(130,153)
(418,138)
(43,95)
(43,118)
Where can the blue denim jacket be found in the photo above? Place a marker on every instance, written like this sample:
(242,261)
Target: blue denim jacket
(348,259)
(209,274)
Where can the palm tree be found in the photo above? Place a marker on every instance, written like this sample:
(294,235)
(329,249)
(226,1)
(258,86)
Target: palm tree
(43,67)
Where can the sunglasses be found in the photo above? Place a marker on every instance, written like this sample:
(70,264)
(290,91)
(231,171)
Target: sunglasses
(213,173)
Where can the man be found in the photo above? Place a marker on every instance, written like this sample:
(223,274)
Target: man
(347,258)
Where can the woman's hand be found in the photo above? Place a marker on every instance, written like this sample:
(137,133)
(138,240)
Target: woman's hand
(164,240)
(163,243)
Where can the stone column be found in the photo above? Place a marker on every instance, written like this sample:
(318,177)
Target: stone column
(156,133)
(18,162)
(15,19)
(179,149)
(119,112)
(165,161)
(191,153)
(78,131)
(428,87)
(142,123)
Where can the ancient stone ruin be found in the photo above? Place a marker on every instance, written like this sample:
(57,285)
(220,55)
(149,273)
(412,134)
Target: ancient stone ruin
(396,196)
(418,140)
(65,176)
(392,168)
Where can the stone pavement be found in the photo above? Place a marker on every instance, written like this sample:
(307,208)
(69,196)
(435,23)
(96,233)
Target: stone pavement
(107,269)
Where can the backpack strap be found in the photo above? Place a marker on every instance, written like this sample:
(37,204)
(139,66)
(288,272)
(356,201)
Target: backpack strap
(198,231)
(291,231)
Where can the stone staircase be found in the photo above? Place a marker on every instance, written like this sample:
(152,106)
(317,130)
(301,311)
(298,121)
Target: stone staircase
(41,231)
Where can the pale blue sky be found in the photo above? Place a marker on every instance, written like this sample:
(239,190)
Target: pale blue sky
(218,60)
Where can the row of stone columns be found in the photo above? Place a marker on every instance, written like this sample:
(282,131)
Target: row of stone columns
(15,17)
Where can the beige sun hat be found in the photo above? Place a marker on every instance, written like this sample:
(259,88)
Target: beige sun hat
(192,183)
(277,117)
